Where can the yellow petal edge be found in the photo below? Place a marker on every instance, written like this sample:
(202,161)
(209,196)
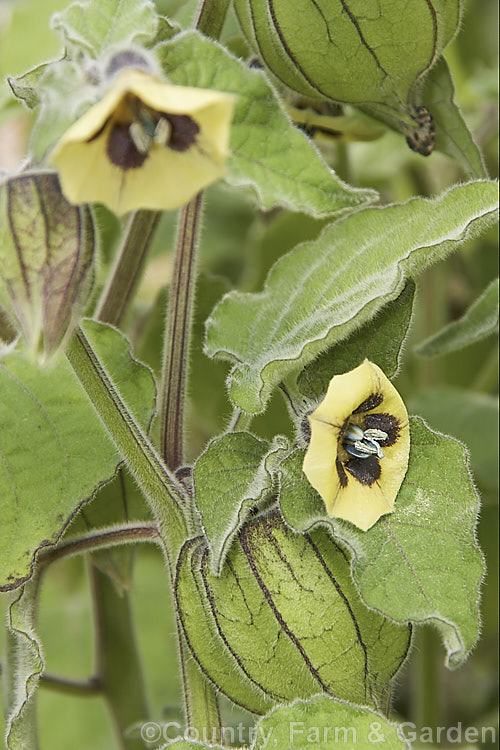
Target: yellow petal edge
(168,178)
(360,504)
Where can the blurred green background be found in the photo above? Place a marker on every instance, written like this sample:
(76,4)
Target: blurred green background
(456,393)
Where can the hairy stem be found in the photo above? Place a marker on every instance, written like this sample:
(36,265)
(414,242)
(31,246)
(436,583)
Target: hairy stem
(98,540)
(165,495)
(117,658)
(177,336)
(202,708)
(239,421)
(211,17)
(127,268)
(200,701)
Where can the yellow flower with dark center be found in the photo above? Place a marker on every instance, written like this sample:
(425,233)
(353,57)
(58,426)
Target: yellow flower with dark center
(360,442)
(146,144)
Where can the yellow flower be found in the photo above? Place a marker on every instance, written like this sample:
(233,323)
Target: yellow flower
(360,442)
(146,144)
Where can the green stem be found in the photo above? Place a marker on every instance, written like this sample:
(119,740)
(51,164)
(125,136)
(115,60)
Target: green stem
(165,495)
(427,688)
(128,265)
(240,421)
(100,539)
(118,665)
(120,669)
(201,705)
(177,336)
(118,659)
(160,487)
(200,701)
(211,17)
(82,689)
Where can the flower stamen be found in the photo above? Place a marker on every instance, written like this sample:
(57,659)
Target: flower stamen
(361,443)
(360,414)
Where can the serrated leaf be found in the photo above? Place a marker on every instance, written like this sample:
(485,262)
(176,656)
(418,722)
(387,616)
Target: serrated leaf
(453,136)
(422,563)
(468,416)
(262,136)
(479,321)
(231,477)
(58,454)
(95,26)
(323,290)
(380,340)
(324,723)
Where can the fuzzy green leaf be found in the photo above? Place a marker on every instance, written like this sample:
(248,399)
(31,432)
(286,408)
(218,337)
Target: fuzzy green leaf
(321,723)
(24,666)
(479,321)
(232,476)
(453,137)
(95,27)
(324,723)
(380,340)
(422,562)
(468,416)
(63,89)
(262,136)
(58,454)
(62,94)
(26,86)
(323,290)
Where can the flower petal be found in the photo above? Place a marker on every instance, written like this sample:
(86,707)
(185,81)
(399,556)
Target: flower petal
(359,490)
(166,176)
